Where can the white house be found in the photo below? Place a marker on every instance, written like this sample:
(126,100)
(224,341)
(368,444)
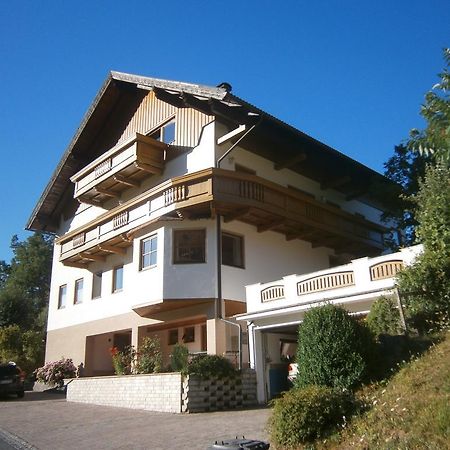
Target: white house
(172,197)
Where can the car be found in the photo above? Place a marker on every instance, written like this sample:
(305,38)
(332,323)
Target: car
(292,371)
(12,379)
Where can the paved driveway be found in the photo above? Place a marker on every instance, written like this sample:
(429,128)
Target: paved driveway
(47,421)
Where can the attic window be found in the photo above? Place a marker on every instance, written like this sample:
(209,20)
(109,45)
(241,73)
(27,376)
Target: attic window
(166,133)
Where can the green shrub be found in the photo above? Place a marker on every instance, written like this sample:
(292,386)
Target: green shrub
(207,366)
(384,317)
(334,349)
(179,358)
(302,415)
(149,356)
(122,360)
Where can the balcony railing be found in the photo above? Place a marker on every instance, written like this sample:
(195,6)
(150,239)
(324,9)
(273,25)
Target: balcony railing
(234,195)
(363,276)
(118,169)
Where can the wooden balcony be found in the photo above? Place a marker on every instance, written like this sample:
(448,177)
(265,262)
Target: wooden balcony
(236,196)
(118,169)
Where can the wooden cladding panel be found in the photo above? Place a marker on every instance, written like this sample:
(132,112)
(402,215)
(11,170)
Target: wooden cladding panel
(386,269)
(325,282)
(272,293)
(153,112)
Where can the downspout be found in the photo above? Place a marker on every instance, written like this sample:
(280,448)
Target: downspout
(218,313)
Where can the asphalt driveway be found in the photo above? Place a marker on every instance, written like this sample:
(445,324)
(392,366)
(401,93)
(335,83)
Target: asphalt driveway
(46,421)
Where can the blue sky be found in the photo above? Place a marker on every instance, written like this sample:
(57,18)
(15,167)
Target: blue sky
(350,73)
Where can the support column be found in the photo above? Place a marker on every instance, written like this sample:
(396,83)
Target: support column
(216,337)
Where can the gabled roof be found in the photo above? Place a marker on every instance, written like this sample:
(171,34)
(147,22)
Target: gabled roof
(272,138)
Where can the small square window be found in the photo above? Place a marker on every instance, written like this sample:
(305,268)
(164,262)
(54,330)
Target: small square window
(117,279)
(149,252)
(166,133)
(173,336)
(97,285)
(232,250)
(78,295)
(188,335)
(62,296)
(189,246)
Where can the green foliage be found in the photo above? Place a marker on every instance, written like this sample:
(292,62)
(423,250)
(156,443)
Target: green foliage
(123,360)
(384,317)
(207,366)
(302,415)
(405,169)
(53,373)
(24,291)
(25,348)
(179,358)
(425,286)
(149,356)
(334,349)
(435,138)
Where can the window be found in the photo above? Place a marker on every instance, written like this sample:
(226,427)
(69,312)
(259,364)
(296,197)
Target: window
(62,296)
(149,252)
(166,133)
(78,296)
(97,285)
(189,246)
(232,250)
(117,278)
(188,335)
(173,336)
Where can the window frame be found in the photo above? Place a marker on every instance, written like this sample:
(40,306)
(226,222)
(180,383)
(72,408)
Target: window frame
(99,275)
(142,254)
(62,305)
(191,335)
(159,132)
(114,279)
(170,334)
(77,295)
(175,258)
(242,249)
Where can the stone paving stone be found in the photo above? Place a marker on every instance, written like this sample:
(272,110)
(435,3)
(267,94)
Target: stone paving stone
(48,422)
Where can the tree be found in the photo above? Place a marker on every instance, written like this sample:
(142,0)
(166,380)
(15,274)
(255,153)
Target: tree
(405,168)
(435,138)
(24,291)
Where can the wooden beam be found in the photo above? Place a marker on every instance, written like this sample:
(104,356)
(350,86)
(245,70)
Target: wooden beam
(240,129)
(148,168)
(291,161)
(111,249)
(270,225)
(236,214)
(89,201)
(193,102)
(335,182)
(234,113)
(74,264)
(172,99)
(89,257)
(106,192)
(123,180)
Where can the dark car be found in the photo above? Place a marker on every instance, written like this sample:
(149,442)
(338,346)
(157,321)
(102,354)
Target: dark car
(11,380)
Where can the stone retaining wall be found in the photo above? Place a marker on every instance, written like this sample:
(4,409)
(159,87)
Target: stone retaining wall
(219,394)
(153,392)
(165,392)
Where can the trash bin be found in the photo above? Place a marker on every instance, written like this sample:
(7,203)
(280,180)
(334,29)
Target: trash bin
(237,444)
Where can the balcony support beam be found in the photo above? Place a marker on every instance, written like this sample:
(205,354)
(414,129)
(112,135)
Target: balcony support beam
(148,168)
(335,182)
(126,181)
(106,192)
(236,214)
(271,225)
(111,249)
(89,201)
(89,257)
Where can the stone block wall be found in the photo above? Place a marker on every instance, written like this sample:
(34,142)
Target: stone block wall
(219,394)
(153,392)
